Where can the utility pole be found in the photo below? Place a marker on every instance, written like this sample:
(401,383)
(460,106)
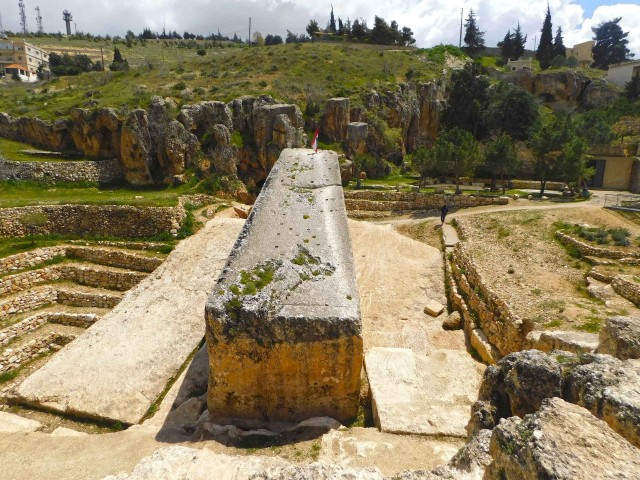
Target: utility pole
(535,39)
(102,55)
(460,41)
(249,31)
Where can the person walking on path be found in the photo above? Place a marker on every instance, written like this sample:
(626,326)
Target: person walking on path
(443,212)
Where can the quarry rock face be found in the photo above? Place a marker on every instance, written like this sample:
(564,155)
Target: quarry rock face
(620,337)
(336,119)
(561,441)
(135,148)
(357,133)
(283,322)
(96,133)
(200,117)
(178,149)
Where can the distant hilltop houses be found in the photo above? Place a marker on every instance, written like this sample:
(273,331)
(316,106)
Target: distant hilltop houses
(20,58)
(581,52)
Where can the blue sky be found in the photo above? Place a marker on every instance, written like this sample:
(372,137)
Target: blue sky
(432,21)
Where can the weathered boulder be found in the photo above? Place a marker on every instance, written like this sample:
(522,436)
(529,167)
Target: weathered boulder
(11,423)
(318,471)
(568,341)
(423,128)
(453,321)
(96,133)
(620,337)
(177,150)
(519,382)
(346,171)
(609,389)
(136,149)
(336,119)
(357,133)
(283,322)
(561,441)
(200,117)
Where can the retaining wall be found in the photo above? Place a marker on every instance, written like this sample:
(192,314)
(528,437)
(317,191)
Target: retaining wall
(81,320)
(587,250)
(100,171)
(624,286)
(96,220)
(377,200)
(29,259)
(12,359)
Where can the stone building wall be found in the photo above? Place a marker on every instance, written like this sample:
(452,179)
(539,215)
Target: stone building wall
(98,220)
(102,171)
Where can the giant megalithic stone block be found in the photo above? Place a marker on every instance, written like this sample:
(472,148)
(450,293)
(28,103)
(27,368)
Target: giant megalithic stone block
(283,322)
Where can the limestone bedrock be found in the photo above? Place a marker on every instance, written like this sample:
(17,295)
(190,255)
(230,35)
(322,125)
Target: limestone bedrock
(283,322)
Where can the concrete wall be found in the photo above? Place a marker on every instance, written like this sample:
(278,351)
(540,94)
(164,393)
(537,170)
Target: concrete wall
(622,73)
(617,173)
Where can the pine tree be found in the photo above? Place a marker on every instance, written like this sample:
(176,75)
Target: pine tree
(518,42)
(473,37)
(332,22)
(611,44)
(558,45)
(545,48)
(506,46)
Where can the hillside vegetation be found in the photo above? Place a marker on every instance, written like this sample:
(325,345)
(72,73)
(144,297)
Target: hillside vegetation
(296,73)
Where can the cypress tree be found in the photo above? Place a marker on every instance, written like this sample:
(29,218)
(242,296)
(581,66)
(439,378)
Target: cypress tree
(473,37)
(545,48)
(332,22)
(558,44)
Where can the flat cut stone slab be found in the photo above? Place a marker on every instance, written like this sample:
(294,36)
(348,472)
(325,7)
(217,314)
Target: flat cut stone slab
(121,364)
(11,423)
(449,235)
(283,322)
(433,308)
(422,394)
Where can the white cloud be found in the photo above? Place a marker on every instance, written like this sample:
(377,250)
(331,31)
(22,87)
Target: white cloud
(432,21)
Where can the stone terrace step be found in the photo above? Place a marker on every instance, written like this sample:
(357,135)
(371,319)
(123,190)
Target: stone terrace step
(120,366)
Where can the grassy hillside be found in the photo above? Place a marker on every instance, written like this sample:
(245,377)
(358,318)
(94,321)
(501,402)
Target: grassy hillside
(296,73)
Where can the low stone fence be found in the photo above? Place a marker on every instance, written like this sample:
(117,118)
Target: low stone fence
(593,251)
(97,220)
(535,185)
(101,171)
(624,286)
(12,359)
(379,200)
(81,320)
(29,259)
(81,274)
(40,297)
(114,258)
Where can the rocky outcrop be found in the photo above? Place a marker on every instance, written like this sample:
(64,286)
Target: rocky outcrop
(135,149)
(565,88)
(609,389)
(563,442)
(201,117)
(357,133)
(178,149)
(96,133)
(620,337)
(40,133)
(336,118)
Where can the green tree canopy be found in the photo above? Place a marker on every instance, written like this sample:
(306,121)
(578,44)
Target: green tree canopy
(501,158)
(332,22)
(519,42)
(468,100)
(456,153)
(506,46)
(611,44)
(544,54)
(312,28)
(473,37)
(510,110)
(560,152)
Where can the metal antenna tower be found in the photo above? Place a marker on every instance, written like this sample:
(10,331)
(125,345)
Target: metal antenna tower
(23,17)
(1,29)
(66,16)
(39,19)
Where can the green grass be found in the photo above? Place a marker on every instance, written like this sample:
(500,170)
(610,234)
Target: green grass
(19,194)
(592,325)
(303,74)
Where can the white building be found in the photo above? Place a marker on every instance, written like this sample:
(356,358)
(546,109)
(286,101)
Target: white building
(622,73)
(22,58)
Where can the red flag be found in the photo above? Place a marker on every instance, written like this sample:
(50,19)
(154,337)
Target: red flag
(314,143)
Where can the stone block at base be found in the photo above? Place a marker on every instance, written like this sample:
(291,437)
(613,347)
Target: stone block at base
(283,322)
